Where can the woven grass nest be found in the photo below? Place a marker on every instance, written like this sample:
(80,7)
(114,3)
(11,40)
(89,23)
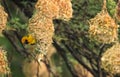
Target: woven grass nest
(41,24)
(111,60)
(103,28)
(4,68)
(3,19)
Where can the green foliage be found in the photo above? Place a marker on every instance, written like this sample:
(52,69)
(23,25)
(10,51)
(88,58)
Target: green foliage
(17,24)
(111,6)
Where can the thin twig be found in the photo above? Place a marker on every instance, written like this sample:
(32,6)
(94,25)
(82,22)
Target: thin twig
(99,61)
(77,57)
(61,51)
(47,63)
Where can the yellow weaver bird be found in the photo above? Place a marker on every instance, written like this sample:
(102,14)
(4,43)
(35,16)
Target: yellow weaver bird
(29,39)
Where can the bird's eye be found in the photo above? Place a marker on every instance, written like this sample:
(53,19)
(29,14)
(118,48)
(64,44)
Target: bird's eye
(23,40)
(26,42)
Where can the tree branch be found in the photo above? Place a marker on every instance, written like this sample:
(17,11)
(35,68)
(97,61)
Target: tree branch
(99,61)
(61,51)
(11,36)
(77,57)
